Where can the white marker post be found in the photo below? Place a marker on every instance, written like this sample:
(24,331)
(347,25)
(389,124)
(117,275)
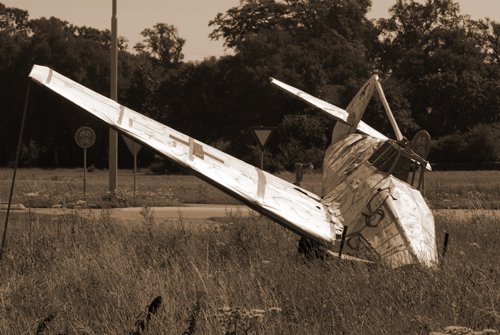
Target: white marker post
(134,148)
(262,136)
(85,138)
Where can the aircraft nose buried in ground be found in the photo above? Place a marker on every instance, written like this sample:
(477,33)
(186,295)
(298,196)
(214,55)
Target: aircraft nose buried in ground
(370,183)
(392,229)
(414,221)
(372,186)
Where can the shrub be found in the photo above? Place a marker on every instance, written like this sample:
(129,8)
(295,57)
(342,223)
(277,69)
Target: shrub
(480,144)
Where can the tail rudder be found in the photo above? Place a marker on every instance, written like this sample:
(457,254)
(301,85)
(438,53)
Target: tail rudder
(355,110)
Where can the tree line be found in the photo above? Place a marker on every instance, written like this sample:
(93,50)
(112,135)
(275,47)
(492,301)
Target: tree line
(440,70)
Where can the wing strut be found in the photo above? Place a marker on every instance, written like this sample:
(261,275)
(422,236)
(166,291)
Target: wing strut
(392,120)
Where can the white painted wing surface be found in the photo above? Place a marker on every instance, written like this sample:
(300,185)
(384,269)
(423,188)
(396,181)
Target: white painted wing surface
(338,113)
(293,207)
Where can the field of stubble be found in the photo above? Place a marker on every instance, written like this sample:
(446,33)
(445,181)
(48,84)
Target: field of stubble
(87,275)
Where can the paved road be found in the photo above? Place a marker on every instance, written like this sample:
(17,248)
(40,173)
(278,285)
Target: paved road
(199,212)
(137,214)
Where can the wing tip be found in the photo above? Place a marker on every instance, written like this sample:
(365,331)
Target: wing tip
(40,73)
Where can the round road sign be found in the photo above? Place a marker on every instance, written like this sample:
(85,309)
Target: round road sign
(85,137)
(421,143)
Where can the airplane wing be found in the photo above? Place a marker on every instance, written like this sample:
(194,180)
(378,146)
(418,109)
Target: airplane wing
(291,206)
(338,113)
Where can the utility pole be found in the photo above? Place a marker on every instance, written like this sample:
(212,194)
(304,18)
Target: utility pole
(113,135)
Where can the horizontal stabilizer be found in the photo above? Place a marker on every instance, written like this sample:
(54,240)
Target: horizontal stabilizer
(338,113)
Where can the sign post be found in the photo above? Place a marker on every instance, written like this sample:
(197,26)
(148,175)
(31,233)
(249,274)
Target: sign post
(134,148)
(262,135)
(113,134)
(85,138)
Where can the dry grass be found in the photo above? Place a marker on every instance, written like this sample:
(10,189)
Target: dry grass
(466,189)
(86,275)
(91,276)
(44,188)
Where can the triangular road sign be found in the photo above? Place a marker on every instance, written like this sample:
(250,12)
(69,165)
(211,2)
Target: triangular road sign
(134,147)
(262,134)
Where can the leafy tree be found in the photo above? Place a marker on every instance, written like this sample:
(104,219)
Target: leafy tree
(493,44)
(480,144)
(301,139)
(144,81)
(313,44)
(13,42)
(206,100)
(100,37)
(446,61)
(397,94)
(327,40)
(249,19)
(52,44)
(81,54)
(308,19)
(13,20)
(162,43)
(440,71)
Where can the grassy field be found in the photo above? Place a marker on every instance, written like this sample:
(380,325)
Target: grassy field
(44,188)
(86,275)
(76,274)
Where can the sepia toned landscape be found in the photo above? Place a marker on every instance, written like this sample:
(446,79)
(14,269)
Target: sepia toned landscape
(244,167)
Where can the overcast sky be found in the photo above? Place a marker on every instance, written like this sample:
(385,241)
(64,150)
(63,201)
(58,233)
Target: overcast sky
(189,16)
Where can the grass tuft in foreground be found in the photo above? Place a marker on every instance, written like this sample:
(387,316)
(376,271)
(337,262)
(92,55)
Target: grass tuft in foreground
(236,276)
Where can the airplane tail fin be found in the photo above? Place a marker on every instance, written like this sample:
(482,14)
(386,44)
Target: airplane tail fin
(355,110)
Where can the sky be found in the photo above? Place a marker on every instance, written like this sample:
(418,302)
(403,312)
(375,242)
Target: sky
(191,17)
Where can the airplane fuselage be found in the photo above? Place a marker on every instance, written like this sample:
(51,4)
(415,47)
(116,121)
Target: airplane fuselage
(365,186)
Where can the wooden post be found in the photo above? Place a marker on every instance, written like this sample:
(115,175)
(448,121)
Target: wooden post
(342,241)
(445,247)
(16,164)
(84,171)
(113,135)
(299,173)
(135,169)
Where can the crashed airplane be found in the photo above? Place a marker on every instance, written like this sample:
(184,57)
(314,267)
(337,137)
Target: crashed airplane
(371,184)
